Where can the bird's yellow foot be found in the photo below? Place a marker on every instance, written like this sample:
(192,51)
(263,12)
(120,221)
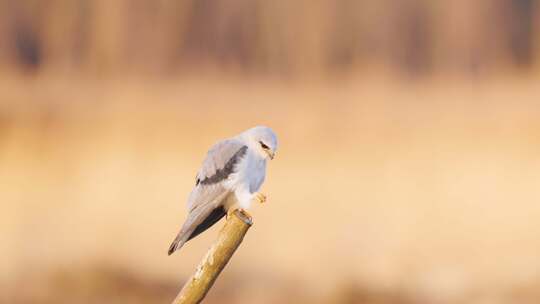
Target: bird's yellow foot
(259,197)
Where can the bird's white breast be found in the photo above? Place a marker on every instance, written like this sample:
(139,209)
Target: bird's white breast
(248,178)
(255,173)
(250,172)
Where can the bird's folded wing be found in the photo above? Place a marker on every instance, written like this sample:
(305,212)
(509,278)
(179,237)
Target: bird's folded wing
(209,199)
(210,191)
(219,164)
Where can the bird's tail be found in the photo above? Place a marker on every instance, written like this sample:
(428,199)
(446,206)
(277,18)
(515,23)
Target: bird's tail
(178,242)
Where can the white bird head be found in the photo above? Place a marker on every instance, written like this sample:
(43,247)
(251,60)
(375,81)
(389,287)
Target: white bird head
(261,139)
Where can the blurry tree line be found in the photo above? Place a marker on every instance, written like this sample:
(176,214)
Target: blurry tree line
(261,36)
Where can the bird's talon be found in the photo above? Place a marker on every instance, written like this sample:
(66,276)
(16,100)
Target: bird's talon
(261,198)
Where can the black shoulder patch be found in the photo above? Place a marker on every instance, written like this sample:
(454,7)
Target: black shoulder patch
(224,172)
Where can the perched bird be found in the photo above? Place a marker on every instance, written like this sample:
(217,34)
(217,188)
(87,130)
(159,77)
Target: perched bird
(229,179)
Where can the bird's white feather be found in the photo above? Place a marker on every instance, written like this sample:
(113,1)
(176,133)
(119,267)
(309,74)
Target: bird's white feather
(232,166)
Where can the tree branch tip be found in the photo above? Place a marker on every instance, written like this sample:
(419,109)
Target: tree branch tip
(216,258)
(244,216)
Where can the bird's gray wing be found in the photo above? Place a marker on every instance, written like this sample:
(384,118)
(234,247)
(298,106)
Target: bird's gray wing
(204,203)
(219,164)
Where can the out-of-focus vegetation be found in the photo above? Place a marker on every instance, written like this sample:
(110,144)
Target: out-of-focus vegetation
(292,37)
(408,164)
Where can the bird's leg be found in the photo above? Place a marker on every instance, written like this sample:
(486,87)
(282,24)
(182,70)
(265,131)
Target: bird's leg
(259,197)
(231,204)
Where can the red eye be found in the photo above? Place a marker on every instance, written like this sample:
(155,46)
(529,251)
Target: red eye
(264,146)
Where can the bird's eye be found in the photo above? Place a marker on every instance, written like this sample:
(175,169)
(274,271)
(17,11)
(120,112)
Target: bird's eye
(264,146)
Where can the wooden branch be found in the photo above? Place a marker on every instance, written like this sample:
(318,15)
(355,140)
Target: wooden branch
(215,260)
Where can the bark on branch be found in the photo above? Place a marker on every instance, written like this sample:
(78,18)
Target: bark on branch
(215,260)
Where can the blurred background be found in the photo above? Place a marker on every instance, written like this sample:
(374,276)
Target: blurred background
(408,169)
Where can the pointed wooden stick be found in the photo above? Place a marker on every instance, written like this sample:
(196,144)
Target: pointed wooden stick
(216,258)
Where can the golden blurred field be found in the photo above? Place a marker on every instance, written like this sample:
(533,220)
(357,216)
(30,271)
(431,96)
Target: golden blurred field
(426,192)
(408,169)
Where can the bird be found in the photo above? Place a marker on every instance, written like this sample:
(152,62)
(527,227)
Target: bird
(229,179)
